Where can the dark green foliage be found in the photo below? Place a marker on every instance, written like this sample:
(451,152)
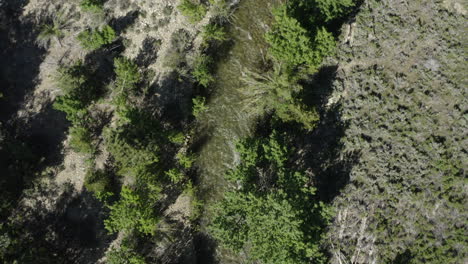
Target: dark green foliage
(185,160)
(97,181)
(199,105)
(252,222)
(92,5)
(320,11)
(213,32)
(272,202)
(78,93)
(175,175)
(131,212)
(194,11)
(131,152)
(127,78)
(291,44)
(124,255)
(81,140)
(276,91)
(94,39)
(201,70)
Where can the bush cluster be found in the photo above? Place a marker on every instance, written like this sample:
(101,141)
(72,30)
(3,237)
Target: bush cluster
(92,39)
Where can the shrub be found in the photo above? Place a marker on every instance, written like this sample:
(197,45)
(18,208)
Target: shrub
(290,42)
(199,105)
(194,12)
(94,39)
(131,212)
(185,160)
(126,80)
(201,71)
(275,92)
(97,181)
(273,202)
(123,255)
(177,138)
(131,152)
(95,6)
(175,175)
(81,140)
(213,32)
(51,31)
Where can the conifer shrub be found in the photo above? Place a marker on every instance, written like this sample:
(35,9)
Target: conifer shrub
(95,6)
(97,181)
(201,70)
(131,212)
(81,139)
(199,105)
(92,39)
(272,202)
(193,11)
(214,32)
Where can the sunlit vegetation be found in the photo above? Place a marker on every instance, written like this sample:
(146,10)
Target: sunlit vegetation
(272,202)
(350,155)
(52,30)
(92,5)
(195,12)
(92,39)
(79,91)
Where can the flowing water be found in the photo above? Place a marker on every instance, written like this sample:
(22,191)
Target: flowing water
(227,120)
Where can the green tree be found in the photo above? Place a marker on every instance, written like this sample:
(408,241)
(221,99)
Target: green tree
(53,30)
(276,91)
(199,105)
(213,32)
(81,139)
(94,39)
(194,12)
(291,44)
(272,202)
(127,78)
(95,6)
(201,70)
(131,212)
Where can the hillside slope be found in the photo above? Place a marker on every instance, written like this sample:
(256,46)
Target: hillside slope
(402,84)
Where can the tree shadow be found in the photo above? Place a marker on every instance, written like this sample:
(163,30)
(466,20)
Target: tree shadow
(70,232)
(148,52)
(120,24)
(205,249)
(21,57)
(323,155)
(101,62)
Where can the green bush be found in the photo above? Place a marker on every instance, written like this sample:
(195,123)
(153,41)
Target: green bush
(194,12)
(127,77)
(97,181)
(291,44)
(94,39)
(81,140)
(276,92)
(123,255)
(131,212)
(185,160)
(175,175)
(199,105)
(201,70)
(273,202)
(213,32)
(320,11)
(132,153)
(95,6)
(177,138)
